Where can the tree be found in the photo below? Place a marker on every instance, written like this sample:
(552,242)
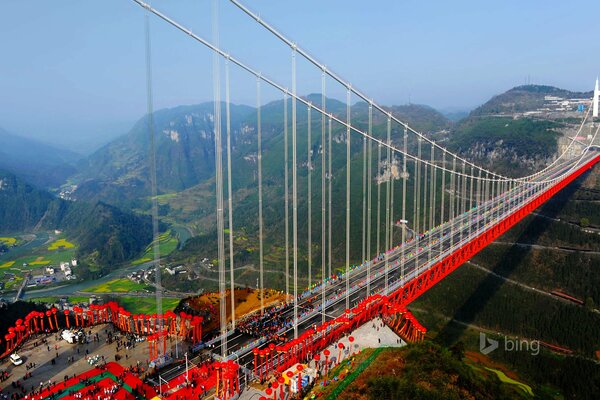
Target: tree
(589,303)
(584,222)
(458,350)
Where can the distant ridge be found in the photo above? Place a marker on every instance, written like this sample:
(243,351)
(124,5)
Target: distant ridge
(113,235)
(43,165)
(524,98)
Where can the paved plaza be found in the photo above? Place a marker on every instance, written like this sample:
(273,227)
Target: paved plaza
(54,358)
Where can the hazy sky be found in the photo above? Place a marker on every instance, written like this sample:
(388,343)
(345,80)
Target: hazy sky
(73,71)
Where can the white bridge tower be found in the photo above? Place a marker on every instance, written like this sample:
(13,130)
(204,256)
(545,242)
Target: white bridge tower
(595,102)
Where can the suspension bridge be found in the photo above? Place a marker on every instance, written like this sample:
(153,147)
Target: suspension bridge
(430,210)
(445,208)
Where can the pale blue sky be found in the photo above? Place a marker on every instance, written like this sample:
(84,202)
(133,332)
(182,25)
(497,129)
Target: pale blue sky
(73,71)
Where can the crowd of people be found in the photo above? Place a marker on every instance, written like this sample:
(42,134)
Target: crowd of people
(256,325)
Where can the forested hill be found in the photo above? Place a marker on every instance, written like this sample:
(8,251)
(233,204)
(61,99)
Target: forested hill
(111,235)
(501,135)
(511,146)
(118,172)
(524,98)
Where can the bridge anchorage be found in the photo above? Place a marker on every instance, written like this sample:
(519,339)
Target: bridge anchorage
(351,260)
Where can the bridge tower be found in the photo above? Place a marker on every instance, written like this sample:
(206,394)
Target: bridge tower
(595,104)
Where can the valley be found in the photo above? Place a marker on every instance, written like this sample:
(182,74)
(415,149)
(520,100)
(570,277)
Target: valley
(506,291)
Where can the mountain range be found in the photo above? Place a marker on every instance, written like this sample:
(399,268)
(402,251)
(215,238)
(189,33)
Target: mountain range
(118,173)
(41,164)
(106,235)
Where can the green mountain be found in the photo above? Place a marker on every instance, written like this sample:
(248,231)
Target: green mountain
(104,232)
(118,172)
(512,146)
(417,371)
(184,141)
(43,165)
(498,135)
(525,98)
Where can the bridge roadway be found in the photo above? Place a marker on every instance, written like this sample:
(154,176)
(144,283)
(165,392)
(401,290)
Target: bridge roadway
(438,242)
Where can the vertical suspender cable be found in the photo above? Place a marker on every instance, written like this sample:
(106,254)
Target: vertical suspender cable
(472,178)
(464,189)
(152,168)
(369,193)
(498,205)
(452,197)
(378,243)
(229,193)
(470,213)
(260,201)
(425,205)
(478,199)
(431,200)
(388,163)
(309,166)
(392,177)
(434,187)
(459,203)
(323,194)
(364,201)
(219,181)
(286,195)
(462,199)
(404,179)
(418,199)
(509,199)
(491,206)
(348,198)
(294,193)
(330,258)
(443,198)
(486,197)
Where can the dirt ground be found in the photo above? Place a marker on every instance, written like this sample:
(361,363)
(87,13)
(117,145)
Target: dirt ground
(247,301)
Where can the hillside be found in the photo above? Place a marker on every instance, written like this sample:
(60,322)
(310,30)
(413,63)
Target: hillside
(419,371)
(41,164)
(524,98)
(517,132)
(118,172)
(104,233)
(512,147)
(184,140)
(506,291)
